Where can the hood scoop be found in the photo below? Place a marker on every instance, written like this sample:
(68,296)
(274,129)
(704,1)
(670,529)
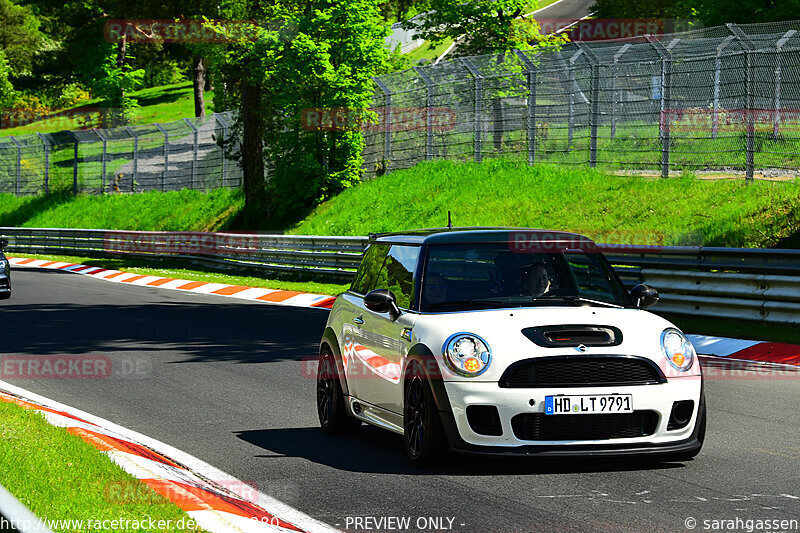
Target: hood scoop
(562,336)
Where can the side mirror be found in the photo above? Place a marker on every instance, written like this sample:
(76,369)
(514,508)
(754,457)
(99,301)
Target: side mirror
(382,301)
(643,295)
(3,243)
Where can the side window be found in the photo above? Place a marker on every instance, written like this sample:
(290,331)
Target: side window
(397,273)
(371,264)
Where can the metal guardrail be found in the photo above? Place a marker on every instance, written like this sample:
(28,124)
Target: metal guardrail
(751,284)
(14,516)
(332,258)
(740,283)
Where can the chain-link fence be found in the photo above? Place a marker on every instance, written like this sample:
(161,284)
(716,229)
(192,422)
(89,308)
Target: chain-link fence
(171,156)
(721,99)
(717,99)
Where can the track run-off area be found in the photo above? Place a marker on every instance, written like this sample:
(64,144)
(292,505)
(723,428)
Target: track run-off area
(227,381)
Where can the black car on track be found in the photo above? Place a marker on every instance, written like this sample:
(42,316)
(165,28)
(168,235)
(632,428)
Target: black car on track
(5,273)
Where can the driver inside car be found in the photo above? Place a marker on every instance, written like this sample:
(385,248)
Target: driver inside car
(535,281)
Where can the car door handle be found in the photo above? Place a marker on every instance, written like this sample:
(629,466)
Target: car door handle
(358,320)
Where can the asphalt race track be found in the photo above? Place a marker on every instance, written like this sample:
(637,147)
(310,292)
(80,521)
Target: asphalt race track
(223,380)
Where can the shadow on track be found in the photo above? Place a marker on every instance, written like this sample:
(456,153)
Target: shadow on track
(372,450)
(235,332)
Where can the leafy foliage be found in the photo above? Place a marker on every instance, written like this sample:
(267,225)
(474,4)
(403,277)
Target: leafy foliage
(113,83)
(7,95)
(20,37)
(487,26)
(316,55)
(707,12)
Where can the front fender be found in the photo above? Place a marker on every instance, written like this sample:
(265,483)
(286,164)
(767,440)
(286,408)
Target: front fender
(423,355)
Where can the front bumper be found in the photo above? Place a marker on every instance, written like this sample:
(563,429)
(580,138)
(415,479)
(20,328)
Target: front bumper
(5,287)
(512,402)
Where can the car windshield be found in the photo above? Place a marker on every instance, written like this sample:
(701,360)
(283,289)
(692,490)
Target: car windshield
(470,276)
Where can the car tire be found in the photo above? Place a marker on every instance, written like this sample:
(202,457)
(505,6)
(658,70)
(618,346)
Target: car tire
(422,426)
(331,408)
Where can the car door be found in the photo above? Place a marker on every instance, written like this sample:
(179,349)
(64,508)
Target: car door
(352,333)
(386,340)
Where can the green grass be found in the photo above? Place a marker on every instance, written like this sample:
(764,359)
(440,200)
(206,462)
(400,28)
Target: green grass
(608,208)
(172,268)
(158,104)
(67,478)
(185,210)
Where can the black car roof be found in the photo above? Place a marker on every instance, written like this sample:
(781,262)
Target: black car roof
(476,235)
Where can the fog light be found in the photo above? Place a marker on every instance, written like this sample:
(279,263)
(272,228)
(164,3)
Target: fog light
(484,420)
(681,414)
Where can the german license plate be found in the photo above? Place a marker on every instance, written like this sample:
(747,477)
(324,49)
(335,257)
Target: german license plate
(594,404)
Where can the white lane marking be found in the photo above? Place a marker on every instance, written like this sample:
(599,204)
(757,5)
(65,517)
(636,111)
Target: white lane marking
(197,466)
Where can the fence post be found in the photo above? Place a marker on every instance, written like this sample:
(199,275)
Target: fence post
(428,108)
(750,112)
(717,81)
(573,87)
(615,89)
(387,120)
(666,96)
(135,136)
(776,125)
(220,119)
(103,158)
(194,152)
(75,164)
(19,165)
(530,75)
(478,80)
(166,156)
(594,119)
(46,144)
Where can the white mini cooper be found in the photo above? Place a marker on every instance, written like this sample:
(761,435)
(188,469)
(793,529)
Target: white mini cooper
(507,341)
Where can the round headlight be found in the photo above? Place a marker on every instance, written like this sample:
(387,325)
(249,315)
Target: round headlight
(467,354)
(677,349)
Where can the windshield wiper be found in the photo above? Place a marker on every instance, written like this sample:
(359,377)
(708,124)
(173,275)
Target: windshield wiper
(573,298)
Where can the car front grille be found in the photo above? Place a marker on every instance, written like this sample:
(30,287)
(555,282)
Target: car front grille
(581,371)
(539,426)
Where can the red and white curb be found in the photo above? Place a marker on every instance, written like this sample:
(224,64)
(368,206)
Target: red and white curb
(274,296)
(218,502)
(743,350)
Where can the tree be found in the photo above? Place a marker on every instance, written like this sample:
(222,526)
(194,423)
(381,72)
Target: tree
(400,10)
(708,12)
(487,25)
(7,94)
(715,13)
(316,57)
(113,82)
(643,9)
(20,37)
